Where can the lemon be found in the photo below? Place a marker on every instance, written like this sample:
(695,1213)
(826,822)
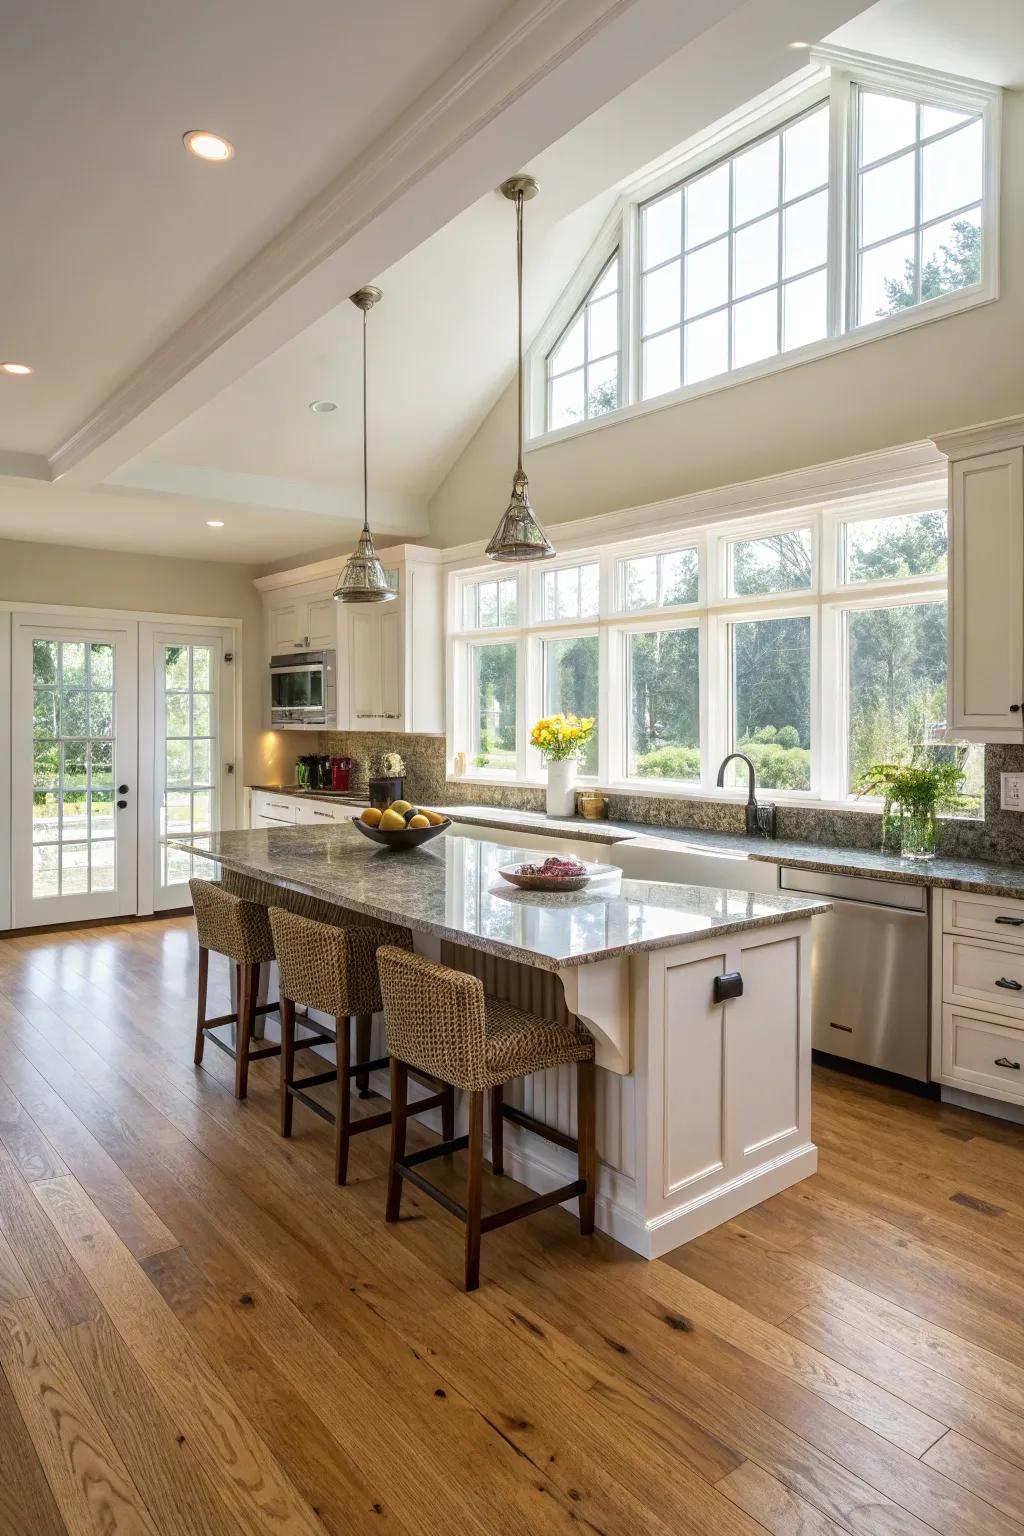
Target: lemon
(401,806)
(434,818)
(371,816)
(418,821)
(392,820)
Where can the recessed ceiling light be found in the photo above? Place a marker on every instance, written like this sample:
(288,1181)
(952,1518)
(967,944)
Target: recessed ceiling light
(206,145)
(214,522)
(15,367)
(799,44)
(323,406)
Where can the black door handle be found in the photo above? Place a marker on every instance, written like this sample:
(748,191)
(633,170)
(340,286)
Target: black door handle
(1004,1061)
(121,804)
(122,789)
(1011,986)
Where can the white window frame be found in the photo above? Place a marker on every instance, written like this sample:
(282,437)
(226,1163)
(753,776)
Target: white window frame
(679,546)
(588,361)
(824,604)
(834,75)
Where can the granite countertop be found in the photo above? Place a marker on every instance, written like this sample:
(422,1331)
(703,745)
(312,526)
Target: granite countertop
(983,877)
(450,888)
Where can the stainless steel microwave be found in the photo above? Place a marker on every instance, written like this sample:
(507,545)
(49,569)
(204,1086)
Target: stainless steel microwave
(302,689)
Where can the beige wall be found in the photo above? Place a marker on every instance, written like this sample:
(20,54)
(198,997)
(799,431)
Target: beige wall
(902,388)
(92,578)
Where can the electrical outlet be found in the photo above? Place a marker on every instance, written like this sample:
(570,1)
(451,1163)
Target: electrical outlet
(1011,791)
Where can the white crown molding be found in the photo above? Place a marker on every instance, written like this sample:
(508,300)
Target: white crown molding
(316,570)
(842,480)
(440,155)
(23,466)
(987,437)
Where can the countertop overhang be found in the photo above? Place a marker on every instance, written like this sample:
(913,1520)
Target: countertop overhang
(450,888)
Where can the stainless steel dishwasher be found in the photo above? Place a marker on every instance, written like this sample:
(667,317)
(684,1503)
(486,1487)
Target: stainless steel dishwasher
(869,970)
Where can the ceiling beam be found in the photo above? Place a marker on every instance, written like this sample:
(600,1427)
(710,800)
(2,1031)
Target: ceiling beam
(542,68)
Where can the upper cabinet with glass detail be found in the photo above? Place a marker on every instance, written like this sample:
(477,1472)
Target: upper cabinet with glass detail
(854,202)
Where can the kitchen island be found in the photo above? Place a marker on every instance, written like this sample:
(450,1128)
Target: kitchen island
(698,1000)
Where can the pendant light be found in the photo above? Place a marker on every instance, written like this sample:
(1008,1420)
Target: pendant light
(519,536)
(363,579)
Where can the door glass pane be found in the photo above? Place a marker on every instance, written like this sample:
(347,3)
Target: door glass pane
(188,792)
(664,705)
(570,685)
(73,768)
(771,701)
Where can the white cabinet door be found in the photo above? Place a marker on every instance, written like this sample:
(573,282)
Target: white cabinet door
(286,627)
(986,597)
(365,676)
(391,666)
(270,810)
(321,624)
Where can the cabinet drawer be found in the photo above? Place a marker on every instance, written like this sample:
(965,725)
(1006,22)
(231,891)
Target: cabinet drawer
(982,1054)
(993,916)
(318,815)
(978,972)
(273,808)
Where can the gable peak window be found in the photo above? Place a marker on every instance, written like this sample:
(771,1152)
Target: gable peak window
(583,367)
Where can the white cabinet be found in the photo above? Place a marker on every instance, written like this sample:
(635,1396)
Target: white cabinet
(986,582)
(394,654)
(390,672)
(308,622)
(270,810)
(321,813)
(977,990)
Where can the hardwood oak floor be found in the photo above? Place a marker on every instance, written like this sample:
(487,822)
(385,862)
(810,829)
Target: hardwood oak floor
(201,1336)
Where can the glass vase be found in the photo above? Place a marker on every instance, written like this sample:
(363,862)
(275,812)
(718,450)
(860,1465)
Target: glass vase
(917,832)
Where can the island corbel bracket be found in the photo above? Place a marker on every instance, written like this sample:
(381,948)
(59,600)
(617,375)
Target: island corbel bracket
(598,994)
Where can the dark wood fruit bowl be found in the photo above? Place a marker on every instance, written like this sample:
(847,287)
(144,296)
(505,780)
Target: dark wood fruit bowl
(401,837)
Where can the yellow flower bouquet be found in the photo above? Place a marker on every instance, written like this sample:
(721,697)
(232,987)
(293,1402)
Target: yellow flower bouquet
(563,738)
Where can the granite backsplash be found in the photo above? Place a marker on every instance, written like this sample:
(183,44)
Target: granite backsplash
(999,836)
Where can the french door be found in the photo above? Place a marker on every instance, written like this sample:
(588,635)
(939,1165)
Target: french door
(122,739)
(74,737)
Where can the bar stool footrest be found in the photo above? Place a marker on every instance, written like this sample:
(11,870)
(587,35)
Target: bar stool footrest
(548,1132)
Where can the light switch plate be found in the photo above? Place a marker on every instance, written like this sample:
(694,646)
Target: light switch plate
(1011,791)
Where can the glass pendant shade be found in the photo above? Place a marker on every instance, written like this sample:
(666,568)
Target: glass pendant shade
(519,536)
(363,579)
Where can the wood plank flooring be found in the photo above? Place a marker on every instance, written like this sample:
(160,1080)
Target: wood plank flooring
(201,1336)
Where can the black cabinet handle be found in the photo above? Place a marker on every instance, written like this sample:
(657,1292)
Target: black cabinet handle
(1014,709)
(1004,1061)
(1010,986)
(121,804)
(1011,922)
(122,789)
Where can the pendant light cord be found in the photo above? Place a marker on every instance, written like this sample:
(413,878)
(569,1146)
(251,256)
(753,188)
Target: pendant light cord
(519,287)
(366,482)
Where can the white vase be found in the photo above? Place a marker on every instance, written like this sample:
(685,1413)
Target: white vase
(561,800)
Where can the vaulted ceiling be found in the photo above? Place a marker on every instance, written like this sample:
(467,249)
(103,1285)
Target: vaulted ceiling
(180,317)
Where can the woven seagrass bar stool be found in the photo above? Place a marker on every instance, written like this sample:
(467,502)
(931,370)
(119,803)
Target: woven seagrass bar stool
(439,1020)
(333,968)
(239,929)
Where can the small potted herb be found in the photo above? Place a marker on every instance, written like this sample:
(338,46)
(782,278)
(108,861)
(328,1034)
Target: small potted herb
(913,794)
(387,783)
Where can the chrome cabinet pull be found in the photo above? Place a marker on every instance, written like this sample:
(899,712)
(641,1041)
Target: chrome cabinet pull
(1011,922)
(1004,1061)
(1010,986)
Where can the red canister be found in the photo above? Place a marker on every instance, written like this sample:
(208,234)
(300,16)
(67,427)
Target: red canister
(341,772)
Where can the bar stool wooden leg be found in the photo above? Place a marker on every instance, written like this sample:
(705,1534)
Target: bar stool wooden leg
(448,1115)
(343,1107)
(204,972)
(364,1024)
(586,1131)
(497,1131)
(248,985)
(399,1111)
(474,1189)
(287,1010)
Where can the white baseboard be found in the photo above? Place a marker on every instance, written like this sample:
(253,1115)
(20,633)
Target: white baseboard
(695,1217)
